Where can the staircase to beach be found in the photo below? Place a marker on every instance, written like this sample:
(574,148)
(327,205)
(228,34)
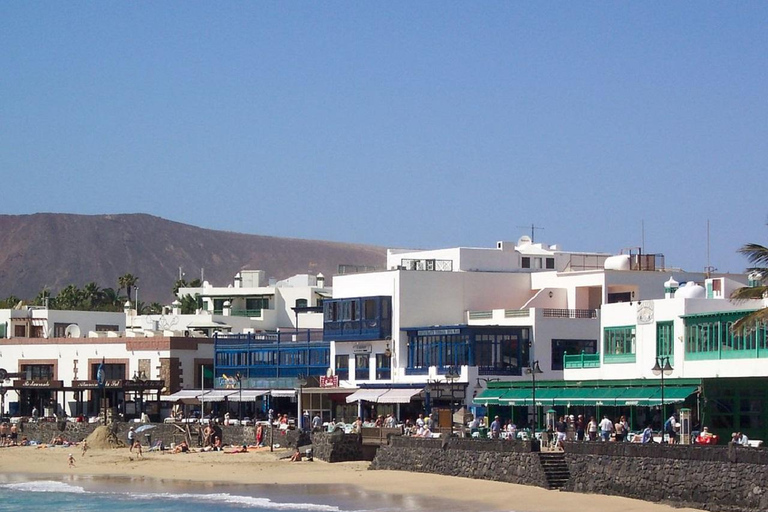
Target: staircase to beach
(555,468)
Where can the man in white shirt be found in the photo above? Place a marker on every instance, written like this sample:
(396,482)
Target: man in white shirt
(606,426)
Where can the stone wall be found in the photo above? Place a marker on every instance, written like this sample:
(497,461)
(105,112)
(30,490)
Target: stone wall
(336,446)
(719,478)
(44,432)
(487,459)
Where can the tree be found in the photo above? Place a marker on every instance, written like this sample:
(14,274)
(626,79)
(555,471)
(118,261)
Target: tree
(93,296)
(155,308)
(758,276)
(128,281)
(189,304)
(182,283)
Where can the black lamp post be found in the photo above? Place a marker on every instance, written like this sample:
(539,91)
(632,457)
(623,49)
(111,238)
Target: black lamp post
(239,379)
(662,368)
(301,381)
(533,370)
(453,374)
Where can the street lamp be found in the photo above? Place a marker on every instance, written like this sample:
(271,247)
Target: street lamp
(301,381)
(533,370)
(662,368)
(239,379)
(453,374)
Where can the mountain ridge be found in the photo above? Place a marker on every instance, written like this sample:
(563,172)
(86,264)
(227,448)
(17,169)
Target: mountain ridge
(53,250)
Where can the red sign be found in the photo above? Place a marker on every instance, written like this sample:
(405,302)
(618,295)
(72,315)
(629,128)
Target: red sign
(329,382)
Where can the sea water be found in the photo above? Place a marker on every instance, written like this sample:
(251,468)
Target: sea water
(88,494)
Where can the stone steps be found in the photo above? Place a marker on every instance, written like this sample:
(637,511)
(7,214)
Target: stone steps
(555,469)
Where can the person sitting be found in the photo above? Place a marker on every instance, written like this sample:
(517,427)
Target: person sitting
(296,457)
(647,436)
(182,447)
(706,437)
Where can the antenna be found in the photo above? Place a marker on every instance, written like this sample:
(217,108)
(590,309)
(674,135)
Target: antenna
(533,228)
(642,235)
(709,268)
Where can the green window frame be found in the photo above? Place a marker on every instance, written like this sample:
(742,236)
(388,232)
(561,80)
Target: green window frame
(665,340)
(619,344)
(712,337)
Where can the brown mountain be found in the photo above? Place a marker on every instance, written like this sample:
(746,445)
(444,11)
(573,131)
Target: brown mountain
(55,250)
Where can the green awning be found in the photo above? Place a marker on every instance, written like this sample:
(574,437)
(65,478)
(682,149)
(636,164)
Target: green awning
(583,396)
(490,396)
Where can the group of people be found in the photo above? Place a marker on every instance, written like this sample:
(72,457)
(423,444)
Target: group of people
(9,435)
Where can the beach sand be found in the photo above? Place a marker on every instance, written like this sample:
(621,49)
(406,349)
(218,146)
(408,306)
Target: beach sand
(265,467)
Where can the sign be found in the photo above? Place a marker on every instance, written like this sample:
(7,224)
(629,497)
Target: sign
(39,384)
(644,312)
(93,384)
(361,348)
(439,332)
(329,382)
(143,384)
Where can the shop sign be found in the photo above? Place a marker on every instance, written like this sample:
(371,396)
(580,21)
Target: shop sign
(329,382)
(94,384)
(439,332)
(143,384)
(361,348)
(40,384)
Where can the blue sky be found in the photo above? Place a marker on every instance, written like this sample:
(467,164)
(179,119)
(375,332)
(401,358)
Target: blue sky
(401,124)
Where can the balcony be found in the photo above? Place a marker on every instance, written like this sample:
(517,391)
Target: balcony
(579,361)
(357,319)
(250,313)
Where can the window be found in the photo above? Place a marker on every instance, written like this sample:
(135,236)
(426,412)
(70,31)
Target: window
(526,262)
(254,303)
(342,366)
(331,311)
(103,328)
(36,331)
(20,331)
(2,330)
(362,367)
(712,337)
(550,263)
(383,367)
(570,347)
(112,371)
(301,303)
(665,340)
(369,309)
(619,344)
(38,371)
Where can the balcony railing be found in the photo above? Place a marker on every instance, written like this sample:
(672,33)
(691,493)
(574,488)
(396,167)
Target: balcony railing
(516,313)
(577,361)
(250,313)
(569,313)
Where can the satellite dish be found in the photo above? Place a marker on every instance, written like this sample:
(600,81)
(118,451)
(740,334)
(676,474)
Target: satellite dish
(72,331)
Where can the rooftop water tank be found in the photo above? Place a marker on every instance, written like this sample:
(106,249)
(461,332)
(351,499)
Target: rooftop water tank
(619,262)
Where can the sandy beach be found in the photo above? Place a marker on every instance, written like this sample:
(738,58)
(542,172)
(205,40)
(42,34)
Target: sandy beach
(265,467)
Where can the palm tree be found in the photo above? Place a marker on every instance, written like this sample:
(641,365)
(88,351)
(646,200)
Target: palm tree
(128,281)
(93,295)
(155,308)
(758,276)
(111,300)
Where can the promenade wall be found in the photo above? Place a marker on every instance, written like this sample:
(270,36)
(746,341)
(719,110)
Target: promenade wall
(726,478)
(487,459)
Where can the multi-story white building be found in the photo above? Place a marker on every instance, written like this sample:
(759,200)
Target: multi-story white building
(291,303)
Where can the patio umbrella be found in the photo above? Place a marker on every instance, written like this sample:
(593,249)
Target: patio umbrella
(144,427)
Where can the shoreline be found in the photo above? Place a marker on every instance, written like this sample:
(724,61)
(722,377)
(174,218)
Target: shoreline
(262,467)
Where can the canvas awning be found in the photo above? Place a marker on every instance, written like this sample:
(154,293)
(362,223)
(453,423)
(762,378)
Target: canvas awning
(575,396)
(284,393)
(185,395)
(398,396)
(369,395)
(249,395)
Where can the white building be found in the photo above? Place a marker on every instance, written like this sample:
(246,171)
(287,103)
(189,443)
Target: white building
(290,303)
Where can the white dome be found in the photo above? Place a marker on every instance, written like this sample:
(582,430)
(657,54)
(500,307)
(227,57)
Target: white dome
(671,283)
(690,290)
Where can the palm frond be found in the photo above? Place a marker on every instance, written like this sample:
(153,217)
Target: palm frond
(749,292)
(751,321)
(755,253)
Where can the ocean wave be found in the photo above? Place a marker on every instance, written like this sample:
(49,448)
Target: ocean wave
(235,499)
(45,486)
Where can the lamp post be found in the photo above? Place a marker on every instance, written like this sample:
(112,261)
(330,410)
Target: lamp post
(533,370)
(239,379)
(453,374)
(662,368)
(301,381)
